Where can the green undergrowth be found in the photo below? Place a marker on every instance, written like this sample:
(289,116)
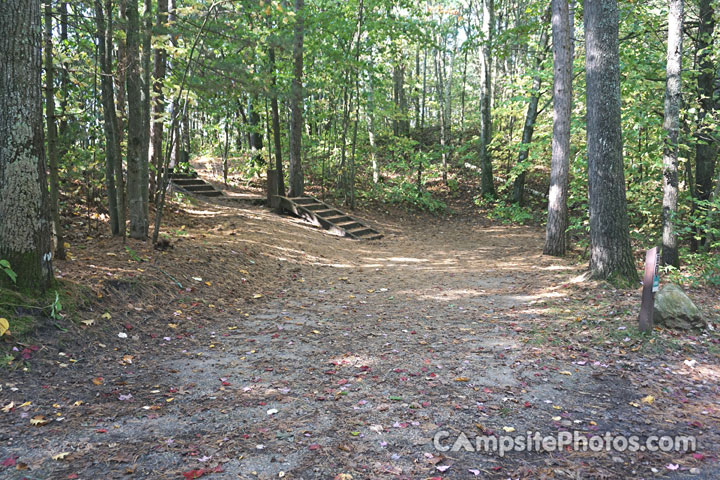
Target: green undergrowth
(27,311)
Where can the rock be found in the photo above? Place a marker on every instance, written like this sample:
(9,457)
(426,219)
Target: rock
(675,310)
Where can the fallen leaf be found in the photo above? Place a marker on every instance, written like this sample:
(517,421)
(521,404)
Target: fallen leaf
(509,429)
(8,407)
(60,456)
(97,380)
(565,372)
(39,421)
(4,326)
(88,322)
(106,316)
(649,399)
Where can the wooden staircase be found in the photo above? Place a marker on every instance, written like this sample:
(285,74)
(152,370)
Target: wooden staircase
(329,218)
(191,183)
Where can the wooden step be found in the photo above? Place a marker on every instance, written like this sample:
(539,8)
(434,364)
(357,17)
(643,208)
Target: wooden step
(360,232)
(314,206)
(327,213)
(305,200)
(178,175)
(210,193)
(198,188)
(188,181)
(348,224)
(339,219)
(331,219)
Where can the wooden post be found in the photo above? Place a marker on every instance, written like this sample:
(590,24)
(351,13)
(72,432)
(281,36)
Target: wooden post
(272,189)
(645,319)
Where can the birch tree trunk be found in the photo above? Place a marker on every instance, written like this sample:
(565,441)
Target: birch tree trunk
(52,135)
(672,129)
(25,221)
(557,220)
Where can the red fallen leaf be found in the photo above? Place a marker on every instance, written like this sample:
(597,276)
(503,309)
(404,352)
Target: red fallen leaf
(330,372)
(696,424)
(262,404)
(314,446)
(432,375)
(173,390)
(72,476)
(364,368)
(268,369)
(487,390)
(275,335)
(9,462)
(342,381)
(698,456)
(101,430)
(528,405)
(128,326)
(497,468)
(425,404)
(192,474)
(225,384)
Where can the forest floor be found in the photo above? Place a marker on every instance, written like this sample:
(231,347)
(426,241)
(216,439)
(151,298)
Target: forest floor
(259,347)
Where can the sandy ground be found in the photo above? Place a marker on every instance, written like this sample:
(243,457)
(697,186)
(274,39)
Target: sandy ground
(345,359)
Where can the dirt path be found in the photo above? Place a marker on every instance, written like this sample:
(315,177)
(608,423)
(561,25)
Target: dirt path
(350,369)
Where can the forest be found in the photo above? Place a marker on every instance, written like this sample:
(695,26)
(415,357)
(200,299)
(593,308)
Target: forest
(499,167)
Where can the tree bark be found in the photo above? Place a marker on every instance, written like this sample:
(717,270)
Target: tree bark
(25,222)
(146,105)
(487,185)
(114,181)
(158,104)
(610,252)
(557,220)
(52,135)
(706,136)
(672,129)
(296,100)
(530,118)
(276,124)
(136,163)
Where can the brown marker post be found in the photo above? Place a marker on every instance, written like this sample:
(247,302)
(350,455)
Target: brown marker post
(645,319)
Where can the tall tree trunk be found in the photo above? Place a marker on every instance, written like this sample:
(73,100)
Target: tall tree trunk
(113,158)
(610,251)
(296,101)
(672,129)
(136,162)
(256,142)
(25,221)
(64,87)
(146,106)
(706,136)
(276,123)
(371,135)
(158,104)
(424,90)
(487,185)
(557,220)
(530,117)
(351,186)
(52,135)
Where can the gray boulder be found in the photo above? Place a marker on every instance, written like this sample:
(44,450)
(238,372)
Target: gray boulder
(675,310)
